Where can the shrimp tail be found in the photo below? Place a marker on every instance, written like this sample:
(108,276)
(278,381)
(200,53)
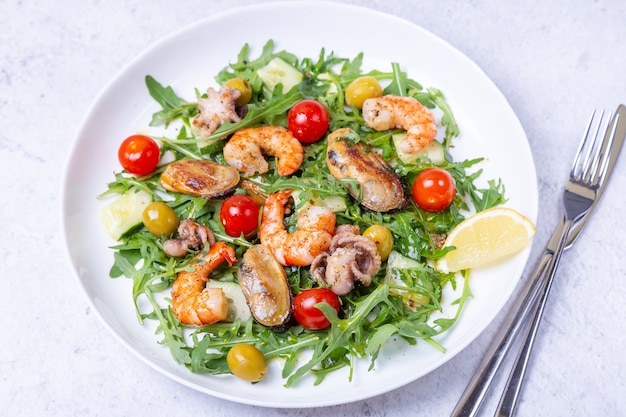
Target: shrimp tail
(192,302)
(225,253)
(217,254)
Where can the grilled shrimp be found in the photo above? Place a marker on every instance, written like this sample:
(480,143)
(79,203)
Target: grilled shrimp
(194,304)
(396,112)
(315,228)
(245,150)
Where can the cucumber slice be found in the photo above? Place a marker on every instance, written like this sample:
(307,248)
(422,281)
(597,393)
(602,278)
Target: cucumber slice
(124,214)
(237,306)
(398,261)
(277,71)
(433,151)
(336,203)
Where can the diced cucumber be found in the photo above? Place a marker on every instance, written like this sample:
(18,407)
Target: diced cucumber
(237,306)
(399,261)
(124,214)
(332,88)
(433,151)
(277,71)
(335,203)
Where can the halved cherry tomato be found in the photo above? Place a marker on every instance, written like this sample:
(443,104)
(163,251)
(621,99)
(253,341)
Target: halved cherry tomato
(307,120)
(434,189)
(305,312)
(139,154)
(240,215)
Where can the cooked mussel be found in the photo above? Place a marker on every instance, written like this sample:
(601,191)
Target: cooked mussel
(200,178)
(380,188)
(264,284)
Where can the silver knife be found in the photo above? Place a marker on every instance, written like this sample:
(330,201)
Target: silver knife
(474,394)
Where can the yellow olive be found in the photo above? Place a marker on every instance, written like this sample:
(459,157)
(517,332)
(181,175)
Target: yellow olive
(382,237)
(247,362)
(361,89)
(244,88)
(160,219)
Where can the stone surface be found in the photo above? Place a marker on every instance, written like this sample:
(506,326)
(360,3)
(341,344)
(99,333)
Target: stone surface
(554,61)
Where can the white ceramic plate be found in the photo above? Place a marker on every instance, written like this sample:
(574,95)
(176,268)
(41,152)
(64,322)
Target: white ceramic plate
(190,58)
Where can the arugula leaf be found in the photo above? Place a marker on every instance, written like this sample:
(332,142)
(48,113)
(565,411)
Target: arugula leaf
(173,107)
(482,198)
(382,334)
(165,96)
(173,336)
(447,120)
(398,82)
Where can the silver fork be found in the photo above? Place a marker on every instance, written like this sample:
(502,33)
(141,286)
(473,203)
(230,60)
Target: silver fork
(472,397)
(587,175)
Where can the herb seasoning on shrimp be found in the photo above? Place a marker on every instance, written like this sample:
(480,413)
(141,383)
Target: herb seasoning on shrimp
(324,153)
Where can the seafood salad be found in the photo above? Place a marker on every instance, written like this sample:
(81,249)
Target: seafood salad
(294,205)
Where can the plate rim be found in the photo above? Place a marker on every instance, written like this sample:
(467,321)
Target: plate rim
(189,28)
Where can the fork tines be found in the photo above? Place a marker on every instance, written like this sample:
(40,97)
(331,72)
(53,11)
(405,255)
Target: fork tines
(593,150)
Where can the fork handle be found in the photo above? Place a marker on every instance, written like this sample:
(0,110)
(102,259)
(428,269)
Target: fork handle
(477,388)
(512,389)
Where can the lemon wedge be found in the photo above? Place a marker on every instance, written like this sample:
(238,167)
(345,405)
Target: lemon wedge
(486,237)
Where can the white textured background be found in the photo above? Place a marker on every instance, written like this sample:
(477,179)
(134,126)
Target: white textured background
(553,60)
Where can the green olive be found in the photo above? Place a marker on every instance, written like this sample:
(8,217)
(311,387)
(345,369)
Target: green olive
(247,362)
(244,88)
(361,89)
(382,237)
(160,219)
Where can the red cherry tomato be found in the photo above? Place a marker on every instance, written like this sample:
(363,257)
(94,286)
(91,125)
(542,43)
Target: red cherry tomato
(434,189)
(307,121)
(139,154)
(240,215)
(305,312)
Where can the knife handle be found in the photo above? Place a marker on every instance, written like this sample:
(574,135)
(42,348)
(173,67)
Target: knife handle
(510,395)
(475,392)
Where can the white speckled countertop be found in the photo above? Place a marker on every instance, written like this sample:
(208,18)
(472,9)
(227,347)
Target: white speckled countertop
(553,60)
